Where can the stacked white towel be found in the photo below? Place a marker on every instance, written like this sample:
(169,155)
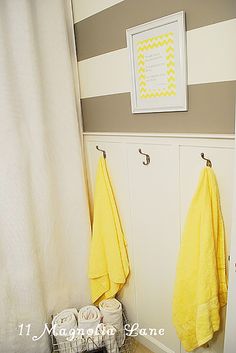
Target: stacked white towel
(89,318)
(76,332)
(63,324)
(111,310)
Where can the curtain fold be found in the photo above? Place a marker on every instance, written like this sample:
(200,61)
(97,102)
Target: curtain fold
(44,222)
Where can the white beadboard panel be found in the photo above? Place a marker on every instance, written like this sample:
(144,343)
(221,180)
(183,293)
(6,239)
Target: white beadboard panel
(86,8)
(212,53)
(105,74)
(153,202)
(155,227)
(211,57)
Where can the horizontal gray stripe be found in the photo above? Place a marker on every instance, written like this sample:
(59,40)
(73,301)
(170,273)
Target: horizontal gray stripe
(106,31)
(211,110)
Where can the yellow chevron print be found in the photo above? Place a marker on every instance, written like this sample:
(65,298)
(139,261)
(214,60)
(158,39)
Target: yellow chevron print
(170,63)
(170,56)
(165,41)
(170,49)
(141,62)
(155,44)
(171,71)
(142,85)
(171,79)
(172,85)
(141,69)
(165,35)
(142,77)
(157,95)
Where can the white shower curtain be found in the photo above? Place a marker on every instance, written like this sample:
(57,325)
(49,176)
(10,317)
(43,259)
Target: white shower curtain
(44,224)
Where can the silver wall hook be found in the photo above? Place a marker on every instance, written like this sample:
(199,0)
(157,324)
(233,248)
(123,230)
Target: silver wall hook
(103,152)
(148,159)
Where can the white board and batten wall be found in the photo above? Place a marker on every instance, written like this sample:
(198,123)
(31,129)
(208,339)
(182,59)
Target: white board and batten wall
(153,202)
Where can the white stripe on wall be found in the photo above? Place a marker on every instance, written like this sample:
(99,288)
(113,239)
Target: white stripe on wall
(105,74)
(86,8)
(211,55)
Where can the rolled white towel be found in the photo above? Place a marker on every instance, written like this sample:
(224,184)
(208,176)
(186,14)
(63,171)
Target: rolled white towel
(89,318)
(64,328)
(111,310)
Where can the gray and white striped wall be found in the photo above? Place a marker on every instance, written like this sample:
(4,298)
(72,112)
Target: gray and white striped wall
(100,28)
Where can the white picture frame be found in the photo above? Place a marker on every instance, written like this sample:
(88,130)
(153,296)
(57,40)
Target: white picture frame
(157,54)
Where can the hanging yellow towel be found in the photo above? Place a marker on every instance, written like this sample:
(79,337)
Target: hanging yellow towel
(108,264)
(201,283)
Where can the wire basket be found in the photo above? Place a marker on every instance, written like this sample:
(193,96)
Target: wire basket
(120,342)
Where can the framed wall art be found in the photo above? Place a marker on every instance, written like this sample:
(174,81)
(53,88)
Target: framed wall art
(157,52)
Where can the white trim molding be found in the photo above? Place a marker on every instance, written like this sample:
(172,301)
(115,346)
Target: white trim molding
(170,135)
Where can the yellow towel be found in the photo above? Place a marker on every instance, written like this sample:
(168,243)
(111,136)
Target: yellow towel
(108,263)
(201,283)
